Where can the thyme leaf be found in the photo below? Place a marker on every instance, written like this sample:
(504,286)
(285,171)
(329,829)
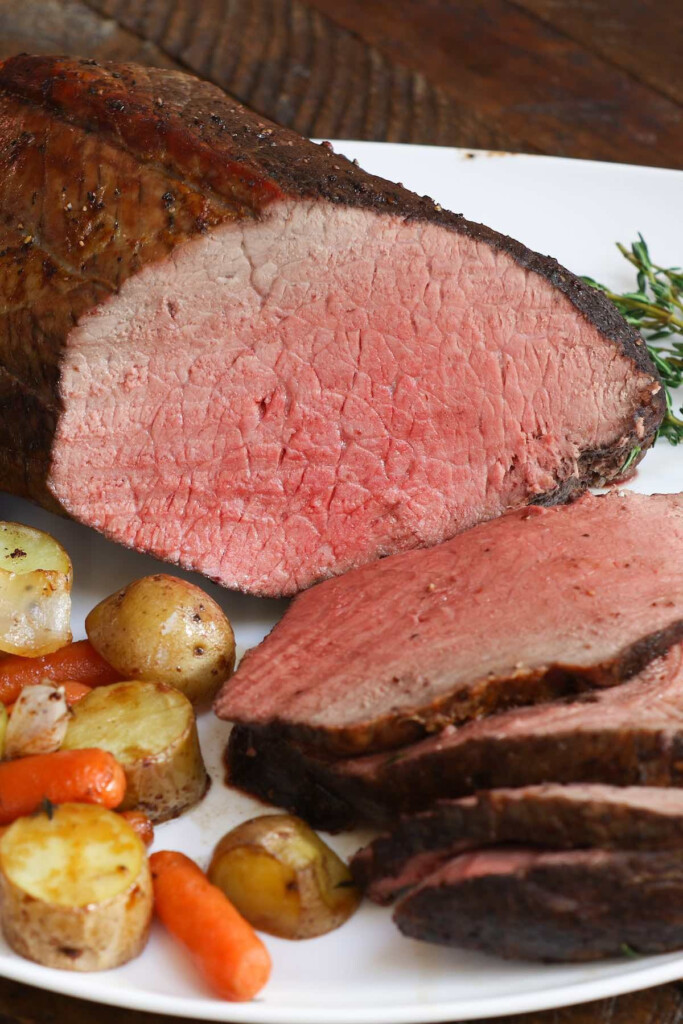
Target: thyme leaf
(655,308)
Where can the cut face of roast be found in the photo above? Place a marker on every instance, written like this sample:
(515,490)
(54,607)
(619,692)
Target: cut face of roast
(240,352)
(530,606)
(576,905)
(298,395)
(552,816)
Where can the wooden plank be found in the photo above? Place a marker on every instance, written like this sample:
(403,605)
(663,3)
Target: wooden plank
(644,39)
(68,26)
(511,68)
(293,64)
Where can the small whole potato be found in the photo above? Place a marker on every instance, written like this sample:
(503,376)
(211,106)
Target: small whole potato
(164,629)
(283,878)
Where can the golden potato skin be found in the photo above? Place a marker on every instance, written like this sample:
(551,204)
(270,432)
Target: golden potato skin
(94,937)
(283,878)
(166,629)
(165,773)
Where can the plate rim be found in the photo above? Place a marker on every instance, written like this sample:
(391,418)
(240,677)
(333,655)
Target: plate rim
(259,1012)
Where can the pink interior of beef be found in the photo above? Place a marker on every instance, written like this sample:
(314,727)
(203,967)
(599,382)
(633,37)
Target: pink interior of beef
(658,800)
(285,398)
(570,586)
(504,860)
(495,861)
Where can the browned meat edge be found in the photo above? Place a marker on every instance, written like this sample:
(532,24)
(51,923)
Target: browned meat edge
(554,817)
(494,695)
(337,796)
(577,906)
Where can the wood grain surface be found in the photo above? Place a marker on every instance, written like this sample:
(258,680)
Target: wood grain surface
(599,79)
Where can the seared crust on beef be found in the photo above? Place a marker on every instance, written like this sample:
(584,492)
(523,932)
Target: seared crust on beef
(552,816)
(579,905)
(182,158)
(625,736)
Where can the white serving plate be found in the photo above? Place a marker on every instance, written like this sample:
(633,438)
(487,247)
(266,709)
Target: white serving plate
(366,973)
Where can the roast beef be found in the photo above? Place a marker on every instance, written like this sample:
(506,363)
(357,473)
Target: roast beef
(560,905)
(535,604)
(627,735)
(235,349)
(554,816)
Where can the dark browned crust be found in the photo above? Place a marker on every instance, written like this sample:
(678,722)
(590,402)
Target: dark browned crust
(377,789)
(479,698)
(277,773)
(555,821)
(571,910)
(151,134)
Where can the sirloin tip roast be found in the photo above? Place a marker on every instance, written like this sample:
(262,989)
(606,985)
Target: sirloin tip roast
(235,349)
(531,606)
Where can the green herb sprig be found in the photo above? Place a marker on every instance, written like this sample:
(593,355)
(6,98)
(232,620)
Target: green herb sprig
(656,309)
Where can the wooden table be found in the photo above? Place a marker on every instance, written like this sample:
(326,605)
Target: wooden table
(598,79)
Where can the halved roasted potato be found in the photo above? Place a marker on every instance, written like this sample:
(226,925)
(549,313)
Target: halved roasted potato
(283,878)
(150,729)
(39,721)
(76,888)
(35,591)
(164,628)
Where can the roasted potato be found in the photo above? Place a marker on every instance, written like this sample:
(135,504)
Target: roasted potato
(76,888)
(38,722)
(35,591)
(165,629)
(150,729)
(283,878)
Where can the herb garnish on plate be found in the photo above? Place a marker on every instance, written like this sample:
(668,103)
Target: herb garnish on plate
(656,309)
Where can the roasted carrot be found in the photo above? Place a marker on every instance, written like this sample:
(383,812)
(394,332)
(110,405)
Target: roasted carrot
(77,662)
(141,824)
(224,946)
(78,776)
(75,691)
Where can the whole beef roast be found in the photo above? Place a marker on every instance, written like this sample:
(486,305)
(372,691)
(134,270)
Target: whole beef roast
(236,350)
(625,736)
(535,604)
(560,905)
(554,816)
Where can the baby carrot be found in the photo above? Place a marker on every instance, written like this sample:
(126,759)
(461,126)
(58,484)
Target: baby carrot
(78,776)
(141,824)
(75,691)
(224,946)
(79,662)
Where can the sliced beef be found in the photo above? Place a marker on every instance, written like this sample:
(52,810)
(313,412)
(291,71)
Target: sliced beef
(237,350)
(560,905)
(530,606)
(625,736)
(551,815)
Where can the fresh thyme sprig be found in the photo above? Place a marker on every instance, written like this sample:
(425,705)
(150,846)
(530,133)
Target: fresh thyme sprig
(656,309)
